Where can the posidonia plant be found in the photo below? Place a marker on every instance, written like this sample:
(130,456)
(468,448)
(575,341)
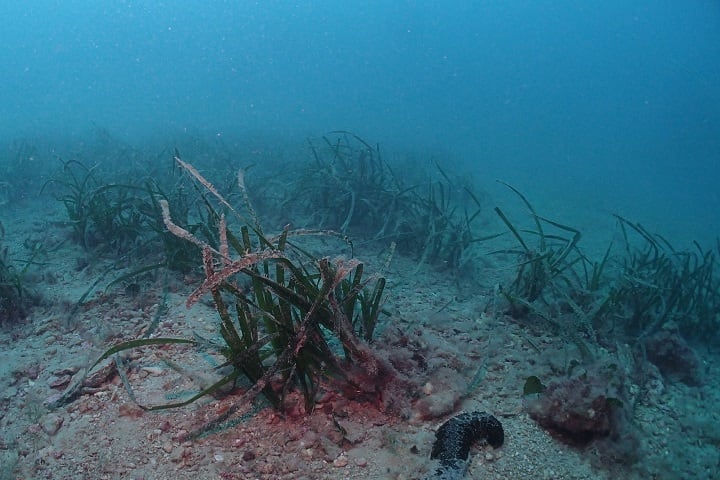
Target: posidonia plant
(352,188)
(286,318)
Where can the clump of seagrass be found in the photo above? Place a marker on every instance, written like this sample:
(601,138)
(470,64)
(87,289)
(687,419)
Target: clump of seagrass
(660,286)
(279,332)
(15,298)
(546,278)
(352,188)
(287,319)
(105,216)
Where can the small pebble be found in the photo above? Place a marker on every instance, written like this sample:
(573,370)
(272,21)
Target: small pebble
(59,381)
(155,371)
(130,410)
(52,424)
(340,461)
(428,388)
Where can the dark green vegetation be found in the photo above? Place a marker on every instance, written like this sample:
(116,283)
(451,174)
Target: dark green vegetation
(346,190)
(17,296)
(659,284)
(297,312)
(287,318)
(544,258)
(627,295)
(352,189)
(277,330)
(121,221)
(642,311)
(13,292)
(635,291)
(644,305)
(109,217)
(290,320)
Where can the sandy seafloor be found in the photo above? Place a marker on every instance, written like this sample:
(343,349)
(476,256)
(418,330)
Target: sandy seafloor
(450,322)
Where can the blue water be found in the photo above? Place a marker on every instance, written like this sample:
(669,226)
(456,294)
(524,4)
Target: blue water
(612,105)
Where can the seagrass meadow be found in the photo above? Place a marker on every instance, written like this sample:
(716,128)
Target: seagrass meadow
(359,240)
(214,310)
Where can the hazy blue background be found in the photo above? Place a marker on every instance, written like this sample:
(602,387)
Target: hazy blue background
(612,105)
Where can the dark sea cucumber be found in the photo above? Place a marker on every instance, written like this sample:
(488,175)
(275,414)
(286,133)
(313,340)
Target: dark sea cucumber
(455,437)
